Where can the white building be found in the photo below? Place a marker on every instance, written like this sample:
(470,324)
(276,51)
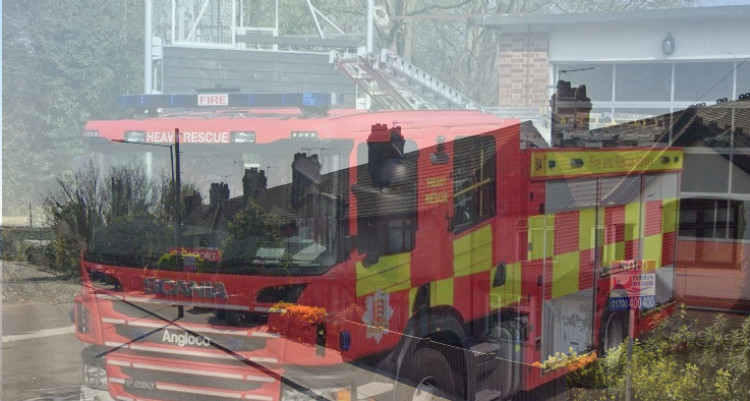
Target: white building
(641,64)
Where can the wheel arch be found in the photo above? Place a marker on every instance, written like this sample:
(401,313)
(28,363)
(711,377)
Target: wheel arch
(440,328)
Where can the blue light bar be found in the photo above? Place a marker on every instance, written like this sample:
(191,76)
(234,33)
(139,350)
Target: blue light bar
(208,100)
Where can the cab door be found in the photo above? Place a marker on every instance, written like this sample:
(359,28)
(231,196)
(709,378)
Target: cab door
(474,203)
(432,270)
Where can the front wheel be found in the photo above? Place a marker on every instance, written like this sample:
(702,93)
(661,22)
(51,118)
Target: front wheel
(430,377)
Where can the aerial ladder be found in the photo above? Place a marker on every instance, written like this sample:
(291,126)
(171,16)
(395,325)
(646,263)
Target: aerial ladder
(394,83)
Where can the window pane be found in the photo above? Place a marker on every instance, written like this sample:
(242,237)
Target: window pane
(743,77)
(473,181)
(643,82)
(703,82)
(395,240)
(620,190)
(627,114)
(566,195)
(596,77)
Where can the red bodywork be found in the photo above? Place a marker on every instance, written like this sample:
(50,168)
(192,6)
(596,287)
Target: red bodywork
(143,320)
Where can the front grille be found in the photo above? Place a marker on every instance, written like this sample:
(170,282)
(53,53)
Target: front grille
(190,314)
(184,379)
(167,395)
(191,353)
(232,360)
(169,335)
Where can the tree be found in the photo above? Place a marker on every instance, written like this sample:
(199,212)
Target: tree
(64,62)
(250,230)
(438,36)
(118,213)
(165,208)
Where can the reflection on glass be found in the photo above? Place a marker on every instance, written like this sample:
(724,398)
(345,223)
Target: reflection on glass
(474,201)
(643,82)
(703,82)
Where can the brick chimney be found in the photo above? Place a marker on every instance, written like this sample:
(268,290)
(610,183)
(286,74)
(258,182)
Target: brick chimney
(192,202)
(219,192)
(253,183)
(570,113)
(305,172)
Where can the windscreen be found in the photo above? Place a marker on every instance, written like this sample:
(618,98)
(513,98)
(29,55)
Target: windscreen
(278,208)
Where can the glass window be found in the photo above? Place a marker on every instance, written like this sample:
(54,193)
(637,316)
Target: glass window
(743,77)
(703,82)
(474,174)
(596,77)
(567,195)
(663,186)
(620,190)
(712,218)
(387,211)
(628,114)
(643,82)
(400,235)
(317,248)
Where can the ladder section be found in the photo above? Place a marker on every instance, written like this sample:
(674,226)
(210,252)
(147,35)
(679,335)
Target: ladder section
(396,84)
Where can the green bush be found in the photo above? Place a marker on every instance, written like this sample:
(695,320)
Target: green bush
(62,254)
(682,359)
(249,230)
(168,261)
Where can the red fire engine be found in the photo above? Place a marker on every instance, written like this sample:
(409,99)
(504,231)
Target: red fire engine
(389,255)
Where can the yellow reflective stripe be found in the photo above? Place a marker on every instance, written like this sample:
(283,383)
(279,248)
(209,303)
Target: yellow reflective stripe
(632,221)
(612,252)
(441,292)
(558,164)
(669,215)
(652,251)
(391,273)
(472,253)
(539,227)
(508,293)
(565,272)
(586,229)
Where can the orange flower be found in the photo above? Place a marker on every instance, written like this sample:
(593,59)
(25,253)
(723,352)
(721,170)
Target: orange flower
(309,314)
(582,361)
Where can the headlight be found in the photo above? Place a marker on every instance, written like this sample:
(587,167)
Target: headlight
(135,136)
(333,394)
(243,137)
(304,134)
(94,375)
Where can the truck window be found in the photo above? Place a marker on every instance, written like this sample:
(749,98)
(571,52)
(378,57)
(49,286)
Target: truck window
(387,211)
(474,181)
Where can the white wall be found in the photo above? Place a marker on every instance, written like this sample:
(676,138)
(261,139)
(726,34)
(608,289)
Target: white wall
(617,41)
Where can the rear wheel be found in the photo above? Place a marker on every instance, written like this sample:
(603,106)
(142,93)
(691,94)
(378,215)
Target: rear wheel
(430,377)
(613,332)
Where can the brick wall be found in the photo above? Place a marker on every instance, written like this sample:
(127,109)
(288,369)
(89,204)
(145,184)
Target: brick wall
(524,69)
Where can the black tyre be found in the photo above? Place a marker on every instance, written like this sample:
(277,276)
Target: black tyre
(428,377)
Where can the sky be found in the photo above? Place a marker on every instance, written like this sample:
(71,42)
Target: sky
(709,3)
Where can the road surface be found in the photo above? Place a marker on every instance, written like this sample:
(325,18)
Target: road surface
(41,356)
